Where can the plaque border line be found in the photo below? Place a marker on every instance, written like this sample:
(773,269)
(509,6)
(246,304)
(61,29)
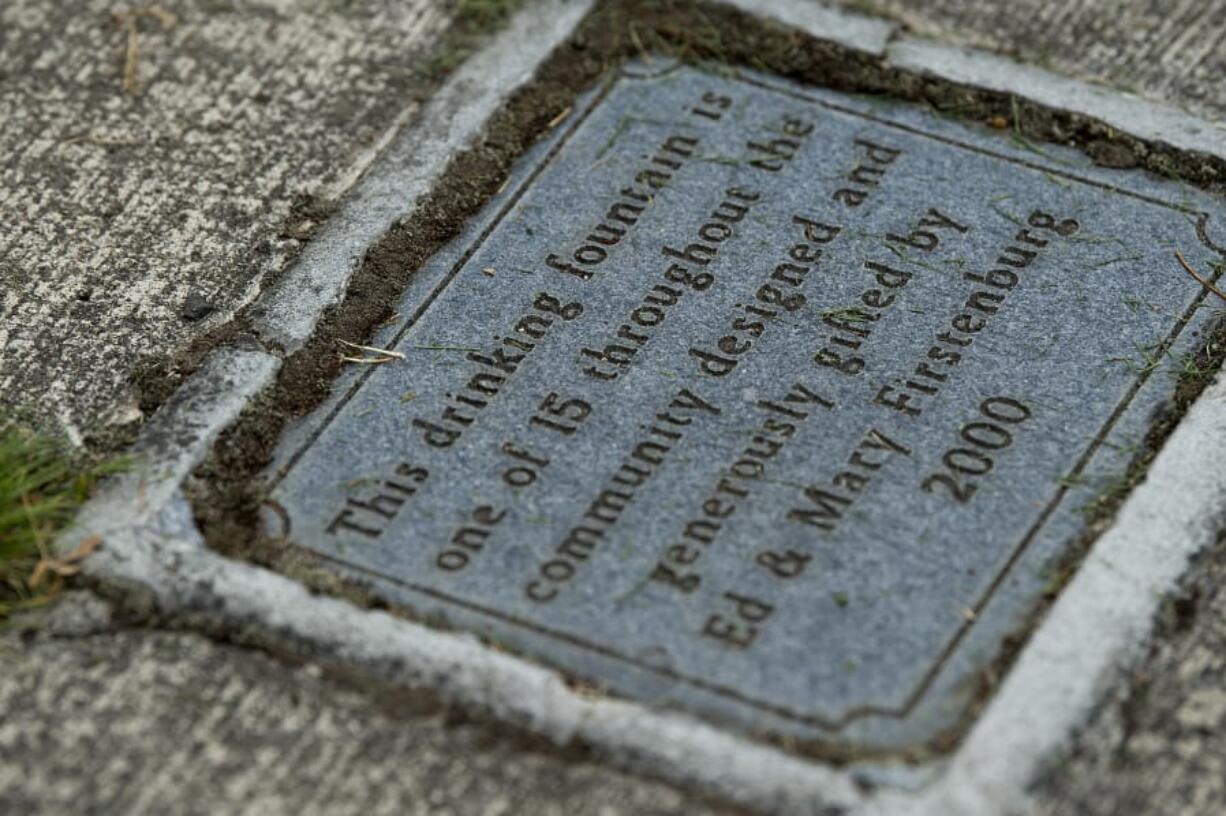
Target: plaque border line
(824,723)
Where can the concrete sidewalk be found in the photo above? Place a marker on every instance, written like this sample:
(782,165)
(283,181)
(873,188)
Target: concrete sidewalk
(159,162)
(139,721)
(159,168)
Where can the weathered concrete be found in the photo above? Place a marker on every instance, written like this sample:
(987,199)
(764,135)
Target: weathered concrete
(1158,745)
(1165,51)
(136,219)
(1164,64)
(171,723)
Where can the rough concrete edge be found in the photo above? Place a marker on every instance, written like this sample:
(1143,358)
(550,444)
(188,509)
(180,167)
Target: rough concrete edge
(1150,121)
(167,559)
(1099,624)
(151,546)
(177,439)
(286,314)
(870,35)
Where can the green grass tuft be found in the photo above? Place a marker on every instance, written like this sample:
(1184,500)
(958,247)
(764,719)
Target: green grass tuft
(42,484)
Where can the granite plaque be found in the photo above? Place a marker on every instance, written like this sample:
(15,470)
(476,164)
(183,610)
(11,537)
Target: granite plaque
(759,402)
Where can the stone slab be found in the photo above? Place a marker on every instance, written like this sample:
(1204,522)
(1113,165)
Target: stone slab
(850,571)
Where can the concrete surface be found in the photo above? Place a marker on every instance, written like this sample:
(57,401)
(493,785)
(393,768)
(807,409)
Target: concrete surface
(1158,744)
(207,179)
(135,219)
(1163,50)
(139,721)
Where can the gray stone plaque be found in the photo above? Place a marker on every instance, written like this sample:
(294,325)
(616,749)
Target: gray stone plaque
(764,403)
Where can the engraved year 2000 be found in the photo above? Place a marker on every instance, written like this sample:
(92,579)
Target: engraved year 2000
(984,438)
